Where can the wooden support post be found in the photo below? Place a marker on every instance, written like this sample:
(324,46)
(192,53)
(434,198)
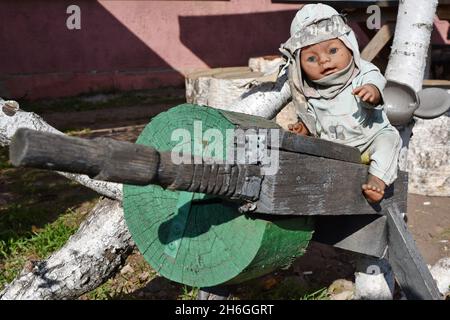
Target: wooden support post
(409,267)
(378,42)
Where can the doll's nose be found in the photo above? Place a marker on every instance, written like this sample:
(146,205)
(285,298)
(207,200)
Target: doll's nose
(324,59)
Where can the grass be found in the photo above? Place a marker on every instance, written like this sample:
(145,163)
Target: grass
(189,293)
(39,211)
(4,159)
(16,251)
(321,294)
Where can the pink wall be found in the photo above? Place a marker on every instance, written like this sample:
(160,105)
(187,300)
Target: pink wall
(126,45)
(130,45)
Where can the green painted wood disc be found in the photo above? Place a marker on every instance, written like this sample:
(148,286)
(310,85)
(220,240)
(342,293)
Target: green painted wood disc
(199,240)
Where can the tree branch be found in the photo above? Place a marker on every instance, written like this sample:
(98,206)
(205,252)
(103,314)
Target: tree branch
(12,118)
(88,259)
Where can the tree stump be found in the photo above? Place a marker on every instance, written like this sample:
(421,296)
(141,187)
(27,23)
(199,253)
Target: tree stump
(429,157)
(220,87)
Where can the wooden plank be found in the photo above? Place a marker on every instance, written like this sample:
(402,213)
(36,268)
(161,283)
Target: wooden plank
(307,185)
(292,142)
(378,42)
(318,147)
(366,234)
(445,84)
(408,265)
(246,121)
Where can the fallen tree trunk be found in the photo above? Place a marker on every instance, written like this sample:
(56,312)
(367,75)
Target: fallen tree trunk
(92,255)
(12,118)
(88,259)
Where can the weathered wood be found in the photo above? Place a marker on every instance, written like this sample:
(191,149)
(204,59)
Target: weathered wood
(124,162)
(306,185)
(409,267)
(101,158)
(289,141)
(15,118)
(318,147)
(378,42)
(300,187)
(366,234)
(445,84)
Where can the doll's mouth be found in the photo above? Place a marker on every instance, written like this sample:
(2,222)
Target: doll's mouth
(328,71)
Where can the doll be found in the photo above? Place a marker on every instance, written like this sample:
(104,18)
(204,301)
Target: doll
(344,93)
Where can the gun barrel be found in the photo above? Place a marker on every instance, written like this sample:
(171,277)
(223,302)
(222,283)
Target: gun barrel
(100,158)
(129,163)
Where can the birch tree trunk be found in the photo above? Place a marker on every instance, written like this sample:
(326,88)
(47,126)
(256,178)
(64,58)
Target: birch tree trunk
(92,254)
(426,156)
(407,61)
(12,118)
(89,258)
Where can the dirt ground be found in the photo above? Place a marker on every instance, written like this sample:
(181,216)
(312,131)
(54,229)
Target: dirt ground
(428,220)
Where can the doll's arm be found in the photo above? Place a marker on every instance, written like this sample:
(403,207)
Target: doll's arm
(368,93)
(371,84)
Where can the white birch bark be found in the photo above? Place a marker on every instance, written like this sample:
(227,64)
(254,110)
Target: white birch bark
(12,118)
(89,258)
(428,157)
(91,255)
(199,85)
(265,100)
(411,41)
(240,89)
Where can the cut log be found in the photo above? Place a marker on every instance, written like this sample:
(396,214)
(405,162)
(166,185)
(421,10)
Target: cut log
(219,87)
(265,64)
(201,240)
(238,89)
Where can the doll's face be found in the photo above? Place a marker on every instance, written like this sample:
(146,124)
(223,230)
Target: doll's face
(324,58)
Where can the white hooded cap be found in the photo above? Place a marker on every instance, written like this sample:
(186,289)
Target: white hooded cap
(315,23)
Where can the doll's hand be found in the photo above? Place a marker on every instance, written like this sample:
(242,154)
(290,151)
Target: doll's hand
(299,128)
(368,93)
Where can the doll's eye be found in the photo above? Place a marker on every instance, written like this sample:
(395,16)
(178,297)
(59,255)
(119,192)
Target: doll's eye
(333,50)
(311,59)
